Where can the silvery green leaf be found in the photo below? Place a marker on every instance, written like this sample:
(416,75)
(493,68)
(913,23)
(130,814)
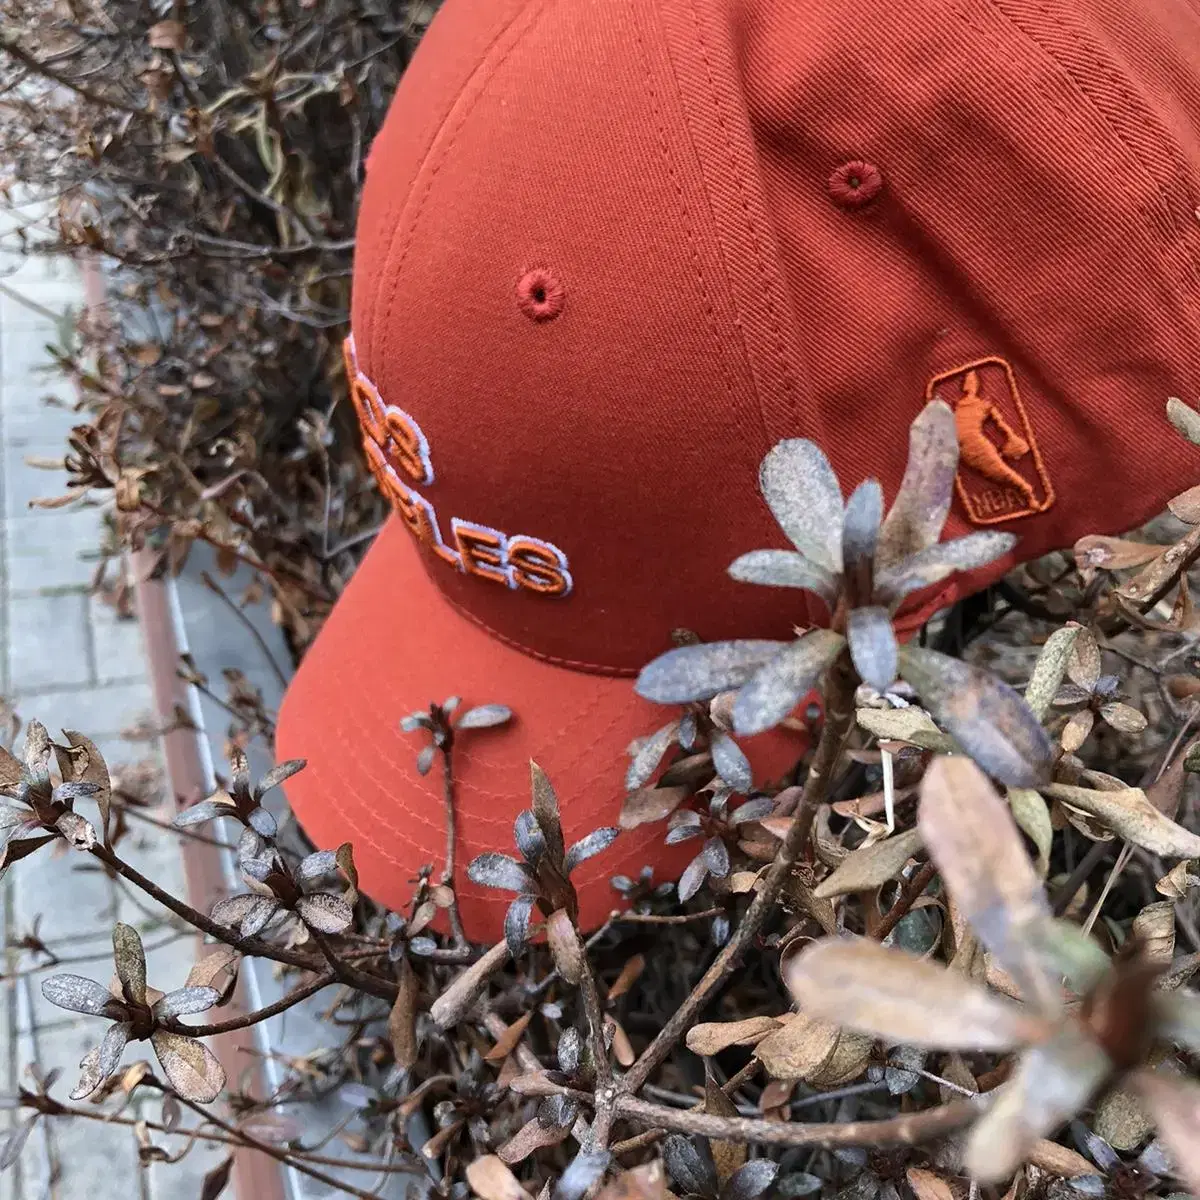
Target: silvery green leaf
(800,1183)
(1050,670)
(937,562)
(318,864)
(232,909)
(693,877)
(499,871)
(186,1000)
(649,755)
(585,1170)
(259,913)
(557,1111)
(325,912)
(682,833)
(570,1046)
(68,793)
(784,568)
(691,1170)
(277,775)
(687,731)
(516,924)
(716,857)
(112,1047)
(1071,954)
(750,1180)
(922,505)
(900,1076)
(423,946)
(595,843)
(864,511)
(983,715)
(450,704)
(10,817)
(1089,1185)
(752,810)
(873,647)
(701,672)
(130,961)
(425,760)
(527,833)
(262,823)
(802,491)
(731,763)
(485,716)
(77,994)
(206,810)
(784,681)
(1051,1083)
(90,1077)
(415,721)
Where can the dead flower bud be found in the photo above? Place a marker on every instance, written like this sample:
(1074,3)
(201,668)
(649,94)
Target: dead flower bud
(139,1012)
(242,802)
(1069,1055)
(862,566)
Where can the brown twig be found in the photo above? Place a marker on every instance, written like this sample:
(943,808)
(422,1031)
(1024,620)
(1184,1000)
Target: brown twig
(456,928)
(838,718)
(909,1129)
(28,61)
(255,633)
(293,998)
(909,894)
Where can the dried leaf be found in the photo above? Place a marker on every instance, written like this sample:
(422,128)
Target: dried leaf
(167,35)
(206,971)
(206,810)
(783,682)
(688,1167)
(77,830)
(532,1136)
(1121,1120)
(130,961)
(1185,419)
(1175,1105)
(1050,669)
(784,568)
(928,1186)
(870,866)
(324,912)
(1030,812)
(1094,553)
(564,946)
(712,1038)
(1154,927)
(1076,730)
(1084,663)
(985,716)
(701,672)
(812,1050)
(750,1180)
(506,1043)
(490,1179)
(1186,506)
(647,1182)
(893,995)
(935,563)
(1179,880)
(911,724)
(15,1142)
(651,804)
(88,766)
(216,1180)
(1051,1083)
(1058,1160)
(545,808)
(692,879)
(454,1003)
(971,835)
(919,511)
(189,1066)
(402,1020)
(802,492)
(648,755)
(1131,815)
(1124,718)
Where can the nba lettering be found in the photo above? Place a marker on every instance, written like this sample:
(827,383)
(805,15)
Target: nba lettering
(398,454)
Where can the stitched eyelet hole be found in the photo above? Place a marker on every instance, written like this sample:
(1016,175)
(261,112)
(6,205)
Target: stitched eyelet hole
(540,294)
(855,183)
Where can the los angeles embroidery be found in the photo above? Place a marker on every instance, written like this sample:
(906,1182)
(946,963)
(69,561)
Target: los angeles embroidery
(397,447)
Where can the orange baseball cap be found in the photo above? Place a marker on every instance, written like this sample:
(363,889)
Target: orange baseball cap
(611,251)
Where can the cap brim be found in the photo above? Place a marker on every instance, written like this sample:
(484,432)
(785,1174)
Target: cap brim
(392,646)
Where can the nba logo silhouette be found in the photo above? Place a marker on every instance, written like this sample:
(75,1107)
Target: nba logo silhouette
(1001,475)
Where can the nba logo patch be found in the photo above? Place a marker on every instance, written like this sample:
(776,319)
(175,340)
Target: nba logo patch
(1001,476)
